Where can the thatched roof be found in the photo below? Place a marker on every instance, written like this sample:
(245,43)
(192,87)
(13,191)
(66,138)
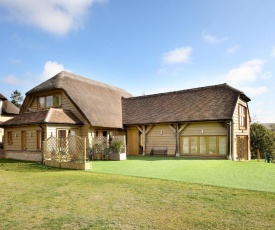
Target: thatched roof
(50,116)
(2,97)
(99,103)
(7,107)
(210,103)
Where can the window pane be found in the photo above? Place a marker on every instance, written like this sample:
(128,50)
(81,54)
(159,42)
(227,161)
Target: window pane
(202,145)
(41,102)
(222,145)
(242,116)
(56,100)
(62,138)
(186,145)
(212,145)
(194,145)
(49,101)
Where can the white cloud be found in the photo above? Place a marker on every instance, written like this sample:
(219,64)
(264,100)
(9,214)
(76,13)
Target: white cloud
(213,39)
(247,72)
(11,80)
(233,49)
(178,55)
(51,68)
(273,52)
(54,16)
(252,91)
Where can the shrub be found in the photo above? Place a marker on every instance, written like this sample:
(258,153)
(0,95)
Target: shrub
(262,139)
(116,146)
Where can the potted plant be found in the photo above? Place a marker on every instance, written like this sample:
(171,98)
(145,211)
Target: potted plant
(116,147)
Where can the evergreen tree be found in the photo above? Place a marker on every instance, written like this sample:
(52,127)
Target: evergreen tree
(16,98)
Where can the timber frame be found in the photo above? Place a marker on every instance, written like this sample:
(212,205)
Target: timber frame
(211,121)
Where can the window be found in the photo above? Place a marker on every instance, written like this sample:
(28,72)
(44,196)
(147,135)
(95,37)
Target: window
(9,138)
(56,100)
(204,145)
(242,117)
(185,144)
(194,145)
(212,145)
(49,101)
(62,134)
(222,145)
(41,103)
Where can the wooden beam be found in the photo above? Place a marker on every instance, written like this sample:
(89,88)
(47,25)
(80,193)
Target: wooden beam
(144,130)
(172,128)
(183,127)
(177,141)
(148,129)
(139,129)
(144,140)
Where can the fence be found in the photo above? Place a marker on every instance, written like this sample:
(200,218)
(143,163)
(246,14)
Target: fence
(70,149)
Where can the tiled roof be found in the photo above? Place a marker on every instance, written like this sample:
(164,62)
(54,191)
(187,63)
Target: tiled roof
(99,103)
(199,104)
(51,116)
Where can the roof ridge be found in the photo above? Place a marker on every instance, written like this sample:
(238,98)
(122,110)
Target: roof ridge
(87,80)
(49,113)
(183,90)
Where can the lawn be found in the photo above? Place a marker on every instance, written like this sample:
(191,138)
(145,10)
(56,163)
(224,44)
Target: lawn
(33,196)
(250,175)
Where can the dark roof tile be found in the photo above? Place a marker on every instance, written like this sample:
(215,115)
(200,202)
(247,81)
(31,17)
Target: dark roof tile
(199,104)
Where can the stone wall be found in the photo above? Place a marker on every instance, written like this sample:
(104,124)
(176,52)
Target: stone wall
(24,155)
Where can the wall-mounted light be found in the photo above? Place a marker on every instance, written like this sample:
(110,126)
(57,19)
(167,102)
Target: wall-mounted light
(30,134)
(161,132)
(16,135)
(202,131)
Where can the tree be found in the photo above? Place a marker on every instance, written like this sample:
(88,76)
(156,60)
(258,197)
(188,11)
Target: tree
(16,98)
(262,139)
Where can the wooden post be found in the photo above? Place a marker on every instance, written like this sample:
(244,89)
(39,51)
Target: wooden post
(85,150)
(177,141)
(258,155)
(125,147)
(144,141)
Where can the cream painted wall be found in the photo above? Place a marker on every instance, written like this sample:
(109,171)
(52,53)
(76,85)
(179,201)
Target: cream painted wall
(161,136)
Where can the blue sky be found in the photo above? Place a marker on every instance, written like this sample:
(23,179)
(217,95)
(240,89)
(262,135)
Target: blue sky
(143,46)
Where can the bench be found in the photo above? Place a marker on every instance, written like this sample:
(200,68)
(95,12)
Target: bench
(158,151)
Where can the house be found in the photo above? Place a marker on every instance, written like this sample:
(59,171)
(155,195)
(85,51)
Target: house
(65,104)
(209,121)
(7,111)
(206,122)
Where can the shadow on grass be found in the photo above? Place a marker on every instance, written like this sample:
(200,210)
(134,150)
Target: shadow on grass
(26,166)
(170,158)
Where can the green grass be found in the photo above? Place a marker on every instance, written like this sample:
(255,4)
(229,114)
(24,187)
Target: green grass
(33,196)
(250,175)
